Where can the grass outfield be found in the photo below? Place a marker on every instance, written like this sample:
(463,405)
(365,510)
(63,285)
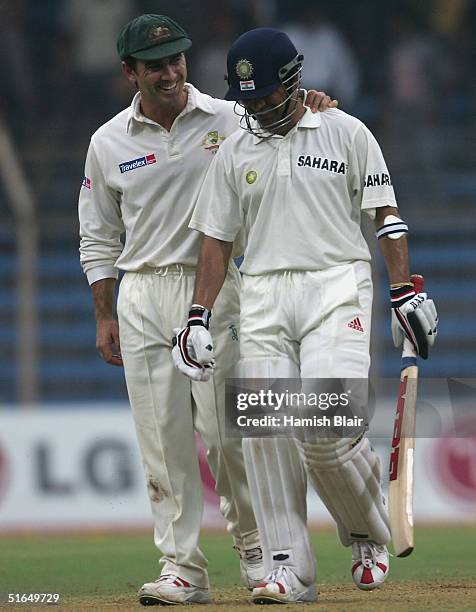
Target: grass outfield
(99,572)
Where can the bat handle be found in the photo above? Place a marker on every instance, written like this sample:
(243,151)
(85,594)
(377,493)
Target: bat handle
(418,282)
(408,350)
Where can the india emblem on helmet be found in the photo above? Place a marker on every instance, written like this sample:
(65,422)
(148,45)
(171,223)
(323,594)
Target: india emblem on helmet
(244,69)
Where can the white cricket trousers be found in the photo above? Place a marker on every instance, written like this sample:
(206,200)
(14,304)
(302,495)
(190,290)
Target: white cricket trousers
(310,324)
(168,408)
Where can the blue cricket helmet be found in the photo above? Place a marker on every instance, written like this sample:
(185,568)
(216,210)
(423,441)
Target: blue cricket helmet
(258,62)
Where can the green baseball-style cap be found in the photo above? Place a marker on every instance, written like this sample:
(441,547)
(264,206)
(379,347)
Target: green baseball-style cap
(151,37)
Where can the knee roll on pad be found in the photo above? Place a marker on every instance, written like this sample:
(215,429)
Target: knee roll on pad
(346,474)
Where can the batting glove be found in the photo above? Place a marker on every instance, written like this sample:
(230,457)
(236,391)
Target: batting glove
(192,351)
(413,316)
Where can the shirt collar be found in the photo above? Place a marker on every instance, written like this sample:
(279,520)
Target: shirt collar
(308,120)
(195,100)
(135,113)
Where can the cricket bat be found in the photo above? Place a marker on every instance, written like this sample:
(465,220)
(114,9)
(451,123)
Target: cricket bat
(403,445)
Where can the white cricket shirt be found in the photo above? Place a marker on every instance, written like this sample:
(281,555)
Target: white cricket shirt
(143,180)
(299,198)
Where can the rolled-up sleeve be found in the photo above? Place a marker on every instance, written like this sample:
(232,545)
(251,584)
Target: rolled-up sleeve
(100,222)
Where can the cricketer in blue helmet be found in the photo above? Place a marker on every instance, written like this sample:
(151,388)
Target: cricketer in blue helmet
(291,188)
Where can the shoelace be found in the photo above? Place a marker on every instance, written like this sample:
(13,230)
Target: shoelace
(368,553)
(165,578)
(277,574)
(171,579)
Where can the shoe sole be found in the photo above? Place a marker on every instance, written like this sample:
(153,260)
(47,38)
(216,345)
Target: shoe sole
(369,587)
(154,600)
(264,599)
(147,600)
(271,598)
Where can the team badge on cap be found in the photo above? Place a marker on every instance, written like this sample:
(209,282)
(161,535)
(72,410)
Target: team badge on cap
(159,33)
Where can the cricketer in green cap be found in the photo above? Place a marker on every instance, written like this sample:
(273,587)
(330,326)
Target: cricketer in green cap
(152,37)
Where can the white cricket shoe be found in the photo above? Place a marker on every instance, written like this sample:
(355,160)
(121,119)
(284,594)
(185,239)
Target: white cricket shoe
(282,586)
(369,565)
(251,566)
(169,590)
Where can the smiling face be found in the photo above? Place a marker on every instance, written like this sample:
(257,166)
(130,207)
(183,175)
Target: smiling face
(160,82)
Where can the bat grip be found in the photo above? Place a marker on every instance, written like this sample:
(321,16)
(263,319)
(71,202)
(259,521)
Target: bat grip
(418,282)
(408,349)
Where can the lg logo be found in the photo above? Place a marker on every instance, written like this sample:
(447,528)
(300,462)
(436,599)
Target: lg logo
(105,467)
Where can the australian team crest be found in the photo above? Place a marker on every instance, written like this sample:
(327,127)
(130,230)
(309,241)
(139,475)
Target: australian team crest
(159,33)
(212,141)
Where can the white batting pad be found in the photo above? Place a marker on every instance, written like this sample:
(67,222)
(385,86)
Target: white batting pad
(277,482)
(346,474)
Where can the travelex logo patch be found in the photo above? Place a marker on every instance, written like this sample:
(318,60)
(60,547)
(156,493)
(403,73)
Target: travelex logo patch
(86,182)
(137,163)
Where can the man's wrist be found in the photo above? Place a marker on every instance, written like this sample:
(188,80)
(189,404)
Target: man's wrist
(401,293)
(102,318)
(199,315)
